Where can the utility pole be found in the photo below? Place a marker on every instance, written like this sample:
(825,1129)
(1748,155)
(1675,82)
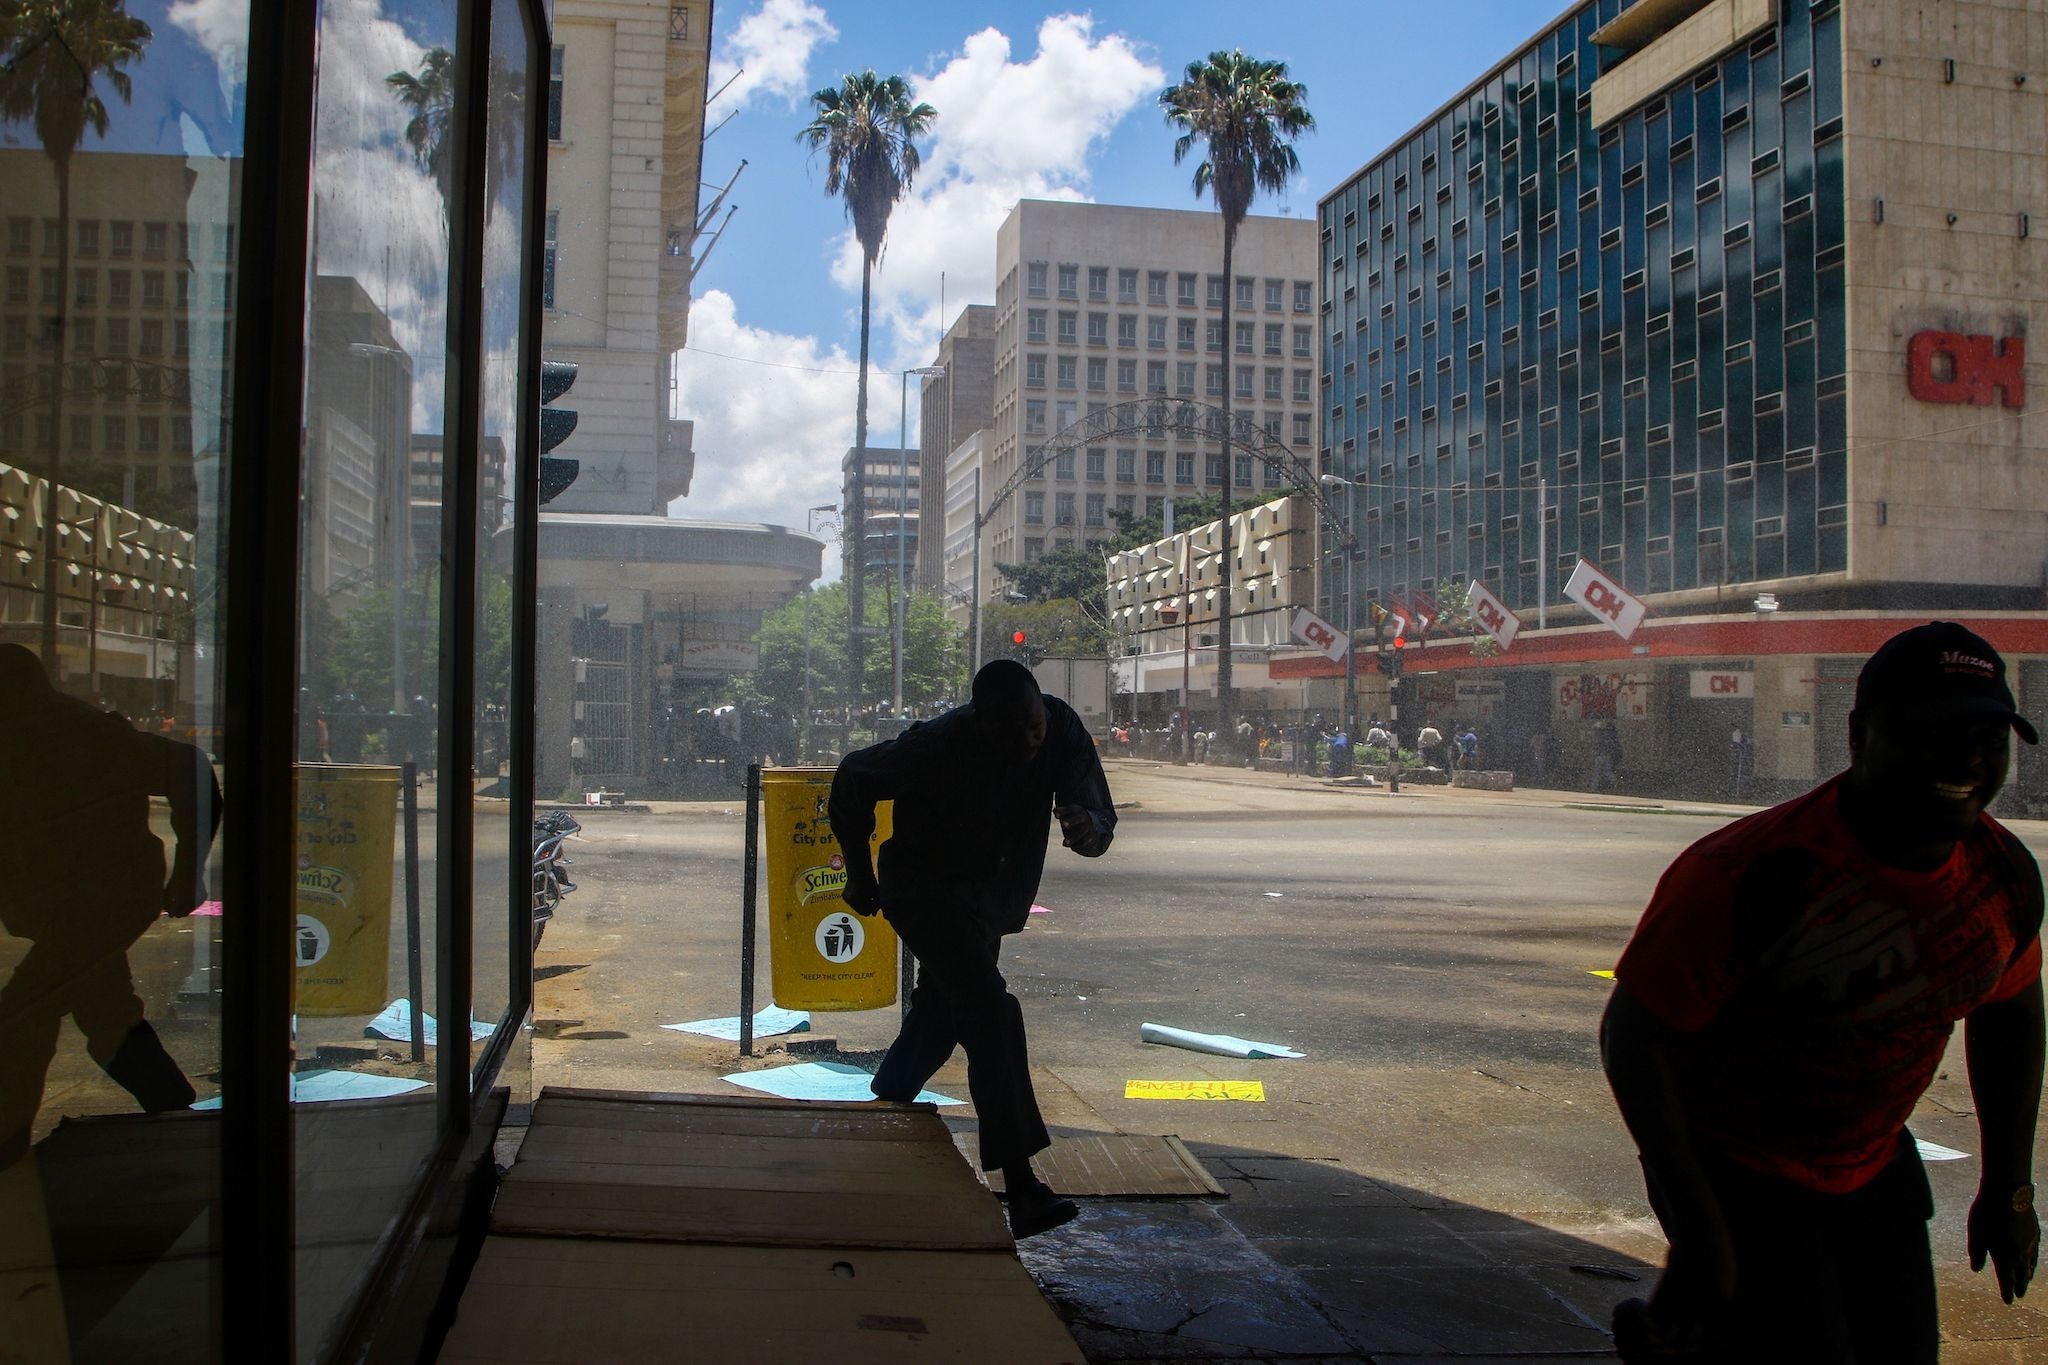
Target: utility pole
(902,523)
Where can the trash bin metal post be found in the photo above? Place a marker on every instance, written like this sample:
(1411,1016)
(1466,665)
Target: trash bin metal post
(748,872)
(408,776)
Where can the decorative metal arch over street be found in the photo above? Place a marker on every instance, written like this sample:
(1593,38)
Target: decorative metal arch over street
(1157,416)
(1180,417)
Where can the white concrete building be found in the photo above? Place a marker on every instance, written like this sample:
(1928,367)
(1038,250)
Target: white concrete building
(1099,304)
(626,123)
(1164,598)
(966,484)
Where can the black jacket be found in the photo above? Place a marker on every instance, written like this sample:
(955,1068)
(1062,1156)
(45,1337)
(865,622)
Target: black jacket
(966,826)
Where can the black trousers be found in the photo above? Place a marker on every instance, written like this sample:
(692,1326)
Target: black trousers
(1827,1279)
(961,999)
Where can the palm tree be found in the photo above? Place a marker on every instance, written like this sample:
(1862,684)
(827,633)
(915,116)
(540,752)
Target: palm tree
(1247,113)
(52,54)
(867,127)
(431,96)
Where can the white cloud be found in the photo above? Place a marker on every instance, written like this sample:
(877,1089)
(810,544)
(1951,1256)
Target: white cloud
(1007,130)
(222,28)
(772,422)
(773,426)
(378,217)
(770,52)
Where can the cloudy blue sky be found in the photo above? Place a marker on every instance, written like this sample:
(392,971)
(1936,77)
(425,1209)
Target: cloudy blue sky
(1033,102)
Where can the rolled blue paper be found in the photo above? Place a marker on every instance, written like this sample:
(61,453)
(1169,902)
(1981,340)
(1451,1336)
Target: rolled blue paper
(1220,1044)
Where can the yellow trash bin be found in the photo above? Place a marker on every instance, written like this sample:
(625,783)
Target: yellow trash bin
(821,955)
(342,951)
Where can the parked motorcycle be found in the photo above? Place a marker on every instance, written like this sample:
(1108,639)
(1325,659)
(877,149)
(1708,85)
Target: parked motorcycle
(551,879)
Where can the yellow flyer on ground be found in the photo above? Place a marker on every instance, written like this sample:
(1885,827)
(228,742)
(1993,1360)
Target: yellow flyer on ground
(821,956)
(348,817)
(1194,1090)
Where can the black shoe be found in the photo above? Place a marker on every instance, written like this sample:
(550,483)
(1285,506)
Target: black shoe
(1039,1210)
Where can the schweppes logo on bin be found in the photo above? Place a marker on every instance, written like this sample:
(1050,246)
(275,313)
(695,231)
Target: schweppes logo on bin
(325,883)
(822,883)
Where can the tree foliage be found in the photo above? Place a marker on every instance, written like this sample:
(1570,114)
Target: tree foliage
(867,126)
(934,657)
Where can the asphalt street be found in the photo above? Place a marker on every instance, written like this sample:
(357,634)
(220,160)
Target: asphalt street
(1442,1177)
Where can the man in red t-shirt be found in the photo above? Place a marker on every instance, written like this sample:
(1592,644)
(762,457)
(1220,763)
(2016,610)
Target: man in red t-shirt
(1788,996)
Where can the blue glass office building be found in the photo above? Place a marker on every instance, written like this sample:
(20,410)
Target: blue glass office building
(1644,320)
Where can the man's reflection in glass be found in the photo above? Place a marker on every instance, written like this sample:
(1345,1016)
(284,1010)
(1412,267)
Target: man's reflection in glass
(85,880)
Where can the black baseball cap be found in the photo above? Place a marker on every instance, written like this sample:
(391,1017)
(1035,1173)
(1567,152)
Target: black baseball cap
(1941,668)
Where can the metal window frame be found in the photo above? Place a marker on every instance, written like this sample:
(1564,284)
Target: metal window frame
(260,632)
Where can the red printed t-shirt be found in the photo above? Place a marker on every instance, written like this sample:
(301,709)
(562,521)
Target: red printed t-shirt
(1816,988)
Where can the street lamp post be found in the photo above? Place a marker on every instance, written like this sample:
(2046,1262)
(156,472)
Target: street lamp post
(1350,606)
(902,515)
(974,597)
(804,734)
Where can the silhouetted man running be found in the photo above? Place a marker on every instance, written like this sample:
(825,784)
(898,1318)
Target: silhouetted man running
(1786,999)
(87,879)
(976,791)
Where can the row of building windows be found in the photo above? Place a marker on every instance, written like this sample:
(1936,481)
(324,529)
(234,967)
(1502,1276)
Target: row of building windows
(115,237)
(19,434)
(1649,317)
(109,337)
(1278,295)
(1068,333)
(1097,371)
(1293,429)
(158,289)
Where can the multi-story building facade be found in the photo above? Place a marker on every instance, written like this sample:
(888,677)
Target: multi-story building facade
(952,406)
(625,131)
(1098,304)
(890,511)
(966,563)
(1689,290)
(119,336)
(645,618)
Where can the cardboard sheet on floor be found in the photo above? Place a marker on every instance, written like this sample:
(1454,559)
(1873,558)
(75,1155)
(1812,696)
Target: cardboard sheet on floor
(533,1300)
(395,1023)
(768,1023)
(1195,1090)
(1127,1165)
(1217,1044)
(821,1081)
(744,1170)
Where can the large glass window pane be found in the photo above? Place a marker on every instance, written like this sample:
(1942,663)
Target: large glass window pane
(110,680)
(371,571)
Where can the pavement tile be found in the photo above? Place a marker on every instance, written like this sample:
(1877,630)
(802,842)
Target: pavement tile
(1162,1278)
(1972,1311)
(1453,1311)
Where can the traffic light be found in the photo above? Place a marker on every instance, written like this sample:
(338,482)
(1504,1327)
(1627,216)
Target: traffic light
(556,473)
(1017,638)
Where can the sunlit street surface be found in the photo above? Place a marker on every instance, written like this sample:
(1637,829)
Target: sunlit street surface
(1443,1174)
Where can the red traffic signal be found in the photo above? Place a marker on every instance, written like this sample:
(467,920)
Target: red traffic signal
(1017,638)
(1400,642)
